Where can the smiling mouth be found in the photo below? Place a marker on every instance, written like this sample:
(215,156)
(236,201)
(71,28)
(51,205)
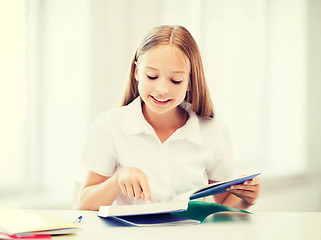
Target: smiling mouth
(161,100)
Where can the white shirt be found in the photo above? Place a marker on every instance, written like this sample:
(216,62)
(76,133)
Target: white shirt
(195,153)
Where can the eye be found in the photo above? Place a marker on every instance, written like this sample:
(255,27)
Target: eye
(176,82)
(151,78)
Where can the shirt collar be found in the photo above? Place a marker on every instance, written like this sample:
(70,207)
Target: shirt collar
(191,130)
(134,122)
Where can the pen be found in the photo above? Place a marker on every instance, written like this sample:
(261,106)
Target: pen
(78,220)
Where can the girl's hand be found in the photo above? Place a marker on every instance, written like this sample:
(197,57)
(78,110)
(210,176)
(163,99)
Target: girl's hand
(248,191)
(133,183)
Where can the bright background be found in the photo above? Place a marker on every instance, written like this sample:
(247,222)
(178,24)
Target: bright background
(62,62)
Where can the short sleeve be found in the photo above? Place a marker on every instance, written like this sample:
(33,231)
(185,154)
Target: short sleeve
(99,153)
(222,166)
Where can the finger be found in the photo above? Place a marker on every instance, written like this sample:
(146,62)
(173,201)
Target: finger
(242,192)
(248,196)
(142,196)
(252,188)
(137,190)
(247,199)
(123,189)
(245,195)
(254,181)
(129,189)
(146,190)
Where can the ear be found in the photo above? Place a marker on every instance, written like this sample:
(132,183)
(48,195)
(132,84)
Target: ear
(136,71)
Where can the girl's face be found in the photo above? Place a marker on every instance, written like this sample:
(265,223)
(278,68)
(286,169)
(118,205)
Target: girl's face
(163,78)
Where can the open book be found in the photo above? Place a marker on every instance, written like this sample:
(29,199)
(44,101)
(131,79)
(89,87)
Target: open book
(178,204)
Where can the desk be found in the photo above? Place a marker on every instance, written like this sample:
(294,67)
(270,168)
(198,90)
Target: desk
(272,226)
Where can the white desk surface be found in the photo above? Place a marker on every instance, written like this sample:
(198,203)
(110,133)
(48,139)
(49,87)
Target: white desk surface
(264,225)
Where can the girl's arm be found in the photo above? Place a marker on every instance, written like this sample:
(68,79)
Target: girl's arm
(100,190)
(241,196)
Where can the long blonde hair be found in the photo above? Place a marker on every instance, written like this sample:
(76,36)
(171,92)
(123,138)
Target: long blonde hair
(198,94)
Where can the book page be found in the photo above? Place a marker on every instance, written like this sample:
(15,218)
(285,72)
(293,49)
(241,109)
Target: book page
(140,209)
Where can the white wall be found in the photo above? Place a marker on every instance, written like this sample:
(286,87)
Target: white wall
(58,89)
(303,193)
(314,86)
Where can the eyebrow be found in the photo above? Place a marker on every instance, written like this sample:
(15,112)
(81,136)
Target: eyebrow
(183,72)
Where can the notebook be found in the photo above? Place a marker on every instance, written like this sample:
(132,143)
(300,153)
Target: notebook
(19,222)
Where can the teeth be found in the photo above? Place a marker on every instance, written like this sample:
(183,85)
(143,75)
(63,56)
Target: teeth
(161,100)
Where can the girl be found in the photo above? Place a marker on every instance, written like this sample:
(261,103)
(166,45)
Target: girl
(164,140)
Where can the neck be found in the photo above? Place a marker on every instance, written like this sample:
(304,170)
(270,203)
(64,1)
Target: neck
(171,120)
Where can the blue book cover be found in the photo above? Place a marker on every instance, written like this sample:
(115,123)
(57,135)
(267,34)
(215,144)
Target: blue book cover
(220,187)
(161,219)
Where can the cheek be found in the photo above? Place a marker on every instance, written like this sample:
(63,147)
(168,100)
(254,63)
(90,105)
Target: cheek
(181,91)
(143,86)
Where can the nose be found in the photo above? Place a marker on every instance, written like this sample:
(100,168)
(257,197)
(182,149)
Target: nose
(162,86)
